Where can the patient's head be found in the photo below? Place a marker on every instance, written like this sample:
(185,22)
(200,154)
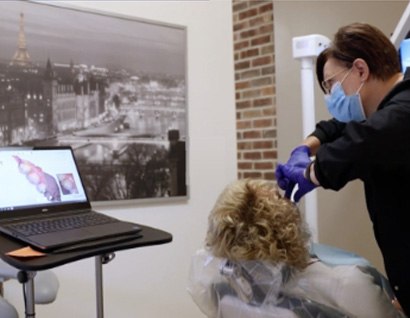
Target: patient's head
(252,221)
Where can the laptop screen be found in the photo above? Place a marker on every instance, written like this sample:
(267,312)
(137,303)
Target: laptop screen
(39,178)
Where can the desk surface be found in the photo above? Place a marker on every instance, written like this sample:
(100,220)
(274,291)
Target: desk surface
(150,236)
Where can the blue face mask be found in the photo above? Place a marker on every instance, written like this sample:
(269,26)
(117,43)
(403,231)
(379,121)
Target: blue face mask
(344,107)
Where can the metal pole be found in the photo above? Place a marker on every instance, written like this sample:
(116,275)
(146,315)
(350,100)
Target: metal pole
(27,279)
(100,260)
(99,286)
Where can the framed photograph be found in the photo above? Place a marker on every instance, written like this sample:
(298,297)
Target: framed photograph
(112,87)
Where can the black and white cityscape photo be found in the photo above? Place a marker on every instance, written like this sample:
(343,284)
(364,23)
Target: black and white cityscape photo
(111,87)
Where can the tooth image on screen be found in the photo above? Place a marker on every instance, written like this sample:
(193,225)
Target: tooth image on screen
(44,183)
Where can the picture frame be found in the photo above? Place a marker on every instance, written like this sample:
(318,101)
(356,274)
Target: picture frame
(112,87)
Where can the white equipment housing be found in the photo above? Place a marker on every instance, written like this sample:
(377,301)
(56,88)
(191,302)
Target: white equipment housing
(306,49)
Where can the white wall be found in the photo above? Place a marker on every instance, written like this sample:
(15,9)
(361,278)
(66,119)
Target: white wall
(343,217)
(151,282)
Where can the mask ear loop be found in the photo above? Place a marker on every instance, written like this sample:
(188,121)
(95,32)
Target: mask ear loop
(346,75)
(360,87)
(360,99)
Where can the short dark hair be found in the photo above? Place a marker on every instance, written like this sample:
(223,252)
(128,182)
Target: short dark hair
(361,40)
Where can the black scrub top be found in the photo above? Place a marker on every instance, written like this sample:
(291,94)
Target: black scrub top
(376,151)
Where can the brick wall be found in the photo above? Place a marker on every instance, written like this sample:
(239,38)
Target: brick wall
(255,88)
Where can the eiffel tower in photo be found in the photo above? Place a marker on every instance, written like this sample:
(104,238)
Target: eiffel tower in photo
(21,57)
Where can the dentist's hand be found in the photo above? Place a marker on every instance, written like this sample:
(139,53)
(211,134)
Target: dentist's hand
(293,172)
(296,176)
(298,157)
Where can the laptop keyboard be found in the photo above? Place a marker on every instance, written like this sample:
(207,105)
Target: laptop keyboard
(60,224)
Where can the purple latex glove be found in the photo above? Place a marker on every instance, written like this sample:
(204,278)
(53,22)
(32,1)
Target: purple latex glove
(298,157)
(296,175)
(292,173)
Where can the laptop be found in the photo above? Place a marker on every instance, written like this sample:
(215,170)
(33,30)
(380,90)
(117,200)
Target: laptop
(41,194)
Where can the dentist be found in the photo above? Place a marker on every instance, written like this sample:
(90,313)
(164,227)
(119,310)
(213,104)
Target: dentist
(368,139)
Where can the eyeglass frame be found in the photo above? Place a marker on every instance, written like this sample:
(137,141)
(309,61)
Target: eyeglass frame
(325,83)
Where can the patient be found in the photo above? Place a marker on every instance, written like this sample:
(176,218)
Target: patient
(257,262)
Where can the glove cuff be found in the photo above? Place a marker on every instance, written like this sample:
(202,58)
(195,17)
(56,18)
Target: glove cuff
(307,173)
(302,148)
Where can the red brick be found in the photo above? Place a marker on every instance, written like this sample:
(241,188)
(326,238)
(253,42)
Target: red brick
(247,34)
(262,81)
(254,175)
(242,85)
(266,28)
(244,145)
(266,91)
(245,165)
(267,49)
(268,70)
(252,113)
(244,104)
(250,53)
(242,65)
(240,26)
(241,45)
(252,155)
(247,14)
(250,73)
(270,154)
(264,165)
(260,123)
(262,102)
(266,144)
(266,8)
(256,3)
(243,124)
(262,61)
(269,175)
(252,134)
(251,93)
(269,111)
(261,40)
(256,21)
(239,5)
(270,133)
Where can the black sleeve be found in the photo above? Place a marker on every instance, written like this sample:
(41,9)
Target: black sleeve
(383,140)
(328,130)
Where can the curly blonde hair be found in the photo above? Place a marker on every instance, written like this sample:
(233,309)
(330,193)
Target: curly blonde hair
(252,221)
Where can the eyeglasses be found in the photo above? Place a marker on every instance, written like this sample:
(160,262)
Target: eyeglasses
(328,83)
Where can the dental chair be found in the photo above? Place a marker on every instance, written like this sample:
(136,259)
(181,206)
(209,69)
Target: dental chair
(225,289)
(45,284)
